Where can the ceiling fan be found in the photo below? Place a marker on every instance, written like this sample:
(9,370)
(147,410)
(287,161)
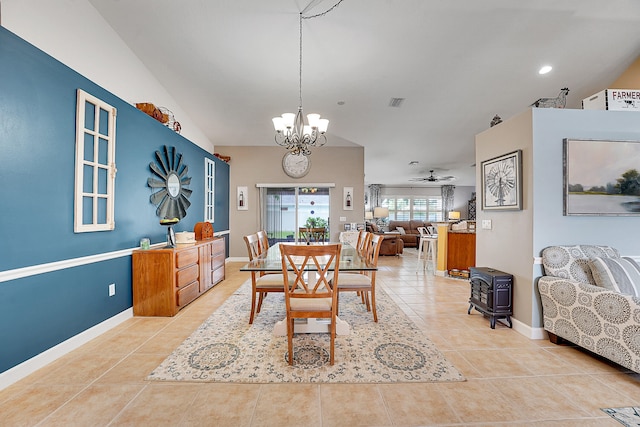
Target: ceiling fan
(434,178)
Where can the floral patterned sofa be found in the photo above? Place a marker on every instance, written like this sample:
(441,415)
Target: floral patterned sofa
(582,301)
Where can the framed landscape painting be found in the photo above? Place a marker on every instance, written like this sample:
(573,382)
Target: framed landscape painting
(502,182)
(601,177)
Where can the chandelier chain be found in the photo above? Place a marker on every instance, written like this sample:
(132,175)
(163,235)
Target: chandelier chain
(300,74)
(292,133)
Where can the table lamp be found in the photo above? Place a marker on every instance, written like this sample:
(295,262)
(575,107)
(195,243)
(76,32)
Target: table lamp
(379,212)
(454,216)
(368,215)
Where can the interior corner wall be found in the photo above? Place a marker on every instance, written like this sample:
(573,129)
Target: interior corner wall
(517,238)
(507,246)
(343,166)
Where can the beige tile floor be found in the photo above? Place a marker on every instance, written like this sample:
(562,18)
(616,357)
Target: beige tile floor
(511,380)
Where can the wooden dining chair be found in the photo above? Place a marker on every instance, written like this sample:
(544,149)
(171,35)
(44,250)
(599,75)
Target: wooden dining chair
(363,241)
(364,283)
(311,295)
(261,283)
(263,240)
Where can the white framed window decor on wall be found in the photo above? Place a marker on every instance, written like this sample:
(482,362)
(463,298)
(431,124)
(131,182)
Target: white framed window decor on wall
(209,189)
(95,169)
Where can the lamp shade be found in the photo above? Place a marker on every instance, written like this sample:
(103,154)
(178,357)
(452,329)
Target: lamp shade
(368,215)
(454,215)
(380,212)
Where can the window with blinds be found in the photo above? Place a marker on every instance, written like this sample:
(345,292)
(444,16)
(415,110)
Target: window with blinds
(405,208)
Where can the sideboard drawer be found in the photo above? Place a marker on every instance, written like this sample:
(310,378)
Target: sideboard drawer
(217,275)
(186,275)
(217,260)
(184,258)
(187,294)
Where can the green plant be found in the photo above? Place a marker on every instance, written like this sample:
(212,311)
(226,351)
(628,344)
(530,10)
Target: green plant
(316,222)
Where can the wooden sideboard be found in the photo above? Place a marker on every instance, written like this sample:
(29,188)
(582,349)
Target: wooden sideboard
(166,280)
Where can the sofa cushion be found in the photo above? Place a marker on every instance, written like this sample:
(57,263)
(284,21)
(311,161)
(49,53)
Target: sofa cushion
(394,224)
(401,230)
(572,262)
(414,224)
(617,274)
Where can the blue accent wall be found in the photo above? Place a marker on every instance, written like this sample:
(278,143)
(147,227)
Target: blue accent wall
(37,161)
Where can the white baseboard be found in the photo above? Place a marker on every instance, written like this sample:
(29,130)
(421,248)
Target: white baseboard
(28,367)
(528,331)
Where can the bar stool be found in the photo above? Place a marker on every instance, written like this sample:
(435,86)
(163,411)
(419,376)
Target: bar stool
(429,252)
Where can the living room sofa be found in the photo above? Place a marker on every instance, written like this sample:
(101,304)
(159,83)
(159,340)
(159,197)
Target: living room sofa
(586,294)
(408,231)
(392,243)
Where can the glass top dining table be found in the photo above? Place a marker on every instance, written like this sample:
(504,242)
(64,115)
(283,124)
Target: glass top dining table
(271,262)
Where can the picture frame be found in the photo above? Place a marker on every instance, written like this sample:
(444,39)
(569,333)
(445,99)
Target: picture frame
(502,182)
(242,202)
(600,177)
(347,198)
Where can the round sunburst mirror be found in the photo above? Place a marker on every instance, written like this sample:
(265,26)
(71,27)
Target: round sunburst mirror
(172,196)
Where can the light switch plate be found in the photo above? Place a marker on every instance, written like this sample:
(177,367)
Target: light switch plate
(486,224)
(343,218)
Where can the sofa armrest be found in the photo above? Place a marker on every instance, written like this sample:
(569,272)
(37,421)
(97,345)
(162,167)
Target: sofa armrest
(595,318)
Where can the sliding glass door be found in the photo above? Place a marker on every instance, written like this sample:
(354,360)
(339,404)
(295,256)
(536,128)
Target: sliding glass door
(287,209)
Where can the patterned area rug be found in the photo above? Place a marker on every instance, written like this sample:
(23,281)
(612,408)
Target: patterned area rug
(629,416)
(225,348)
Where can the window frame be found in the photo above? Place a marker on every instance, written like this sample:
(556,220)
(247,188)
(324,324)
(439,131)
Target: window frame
(391,201)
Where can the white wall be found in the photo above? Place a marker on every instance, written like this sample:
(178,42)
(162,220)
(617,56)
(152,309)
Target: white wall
(73,32)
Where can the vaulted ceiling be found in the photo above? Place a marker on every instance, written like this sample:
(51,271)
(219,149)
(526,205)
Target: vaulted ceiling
(232,65)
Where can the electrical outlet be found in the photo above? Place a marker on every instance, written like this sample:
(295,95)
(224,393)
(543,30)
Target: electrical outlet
(486,224)
(112,289)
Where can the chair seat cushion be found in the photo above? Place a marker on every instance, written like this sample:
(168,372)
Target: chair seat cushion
(271,280)
(352,280)
(311,304)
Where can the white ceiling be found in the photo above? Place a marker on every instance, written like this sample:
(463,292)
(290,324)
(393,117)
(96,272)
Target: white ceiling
(232,65)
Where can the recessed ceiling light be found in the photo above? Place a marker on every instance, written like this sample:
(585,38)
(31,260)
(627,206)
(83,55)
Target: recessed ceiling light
(545,69)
